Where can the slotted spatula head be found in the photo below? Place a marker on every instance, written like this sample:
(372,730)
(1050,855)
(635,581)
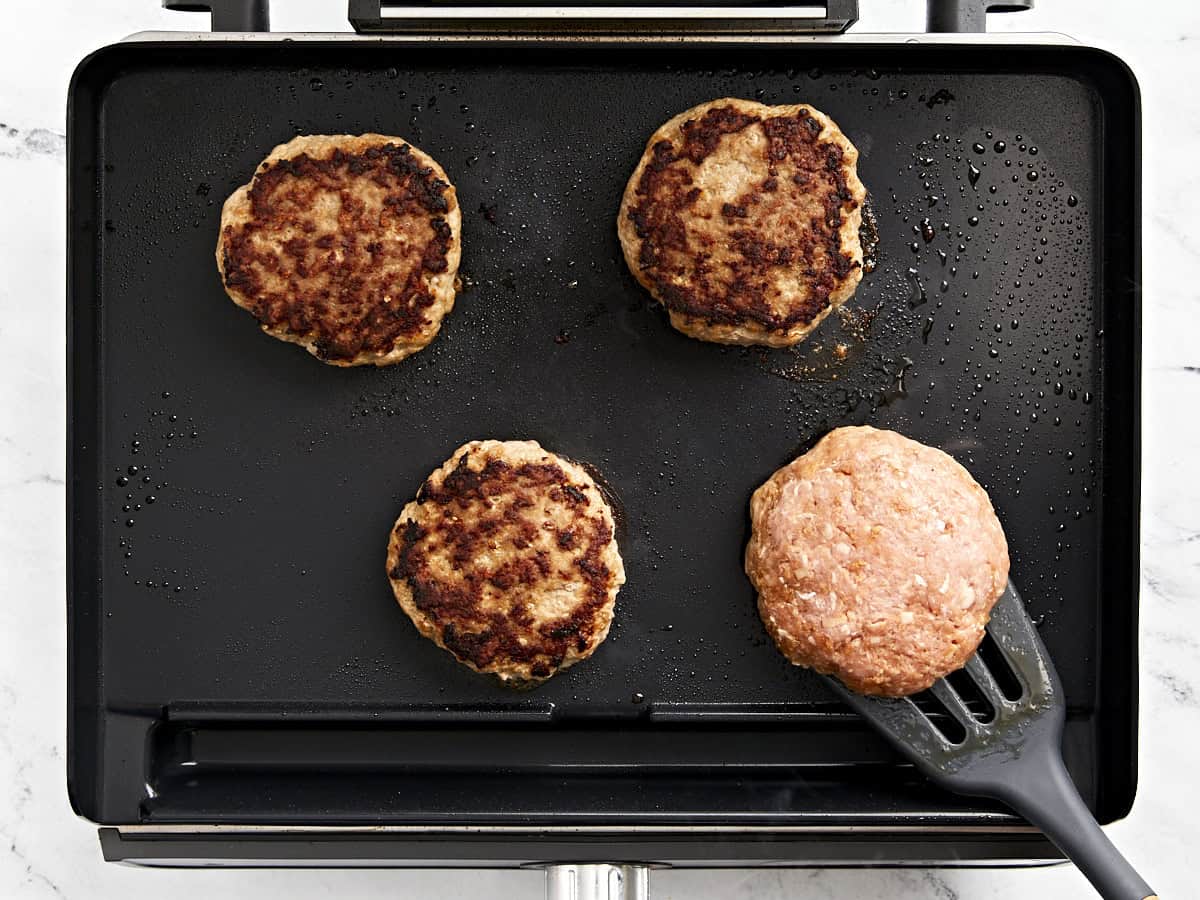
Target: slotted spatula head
(971,767)
(1013,755)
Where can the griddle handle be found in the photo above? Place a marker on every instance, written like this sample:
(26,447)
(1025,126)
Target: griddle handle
(228,15)
(367,16)
(398,4)
(967,16)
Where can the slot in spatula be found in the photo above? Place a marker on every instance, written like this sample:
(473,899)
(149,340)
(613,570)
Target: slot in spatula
(1016,755)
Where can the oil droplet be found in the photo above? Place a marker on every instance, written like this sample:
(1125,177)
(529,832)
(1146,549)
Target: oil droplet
(316,84)
(973,173)
(638,697)
(918,295)
(1032,175)
(122,481)
(973,221)
(1000,146)
(1072,200)
(978,148)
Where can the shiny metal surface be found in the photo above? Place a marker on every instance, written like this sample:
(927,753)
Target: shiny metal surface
(597,881)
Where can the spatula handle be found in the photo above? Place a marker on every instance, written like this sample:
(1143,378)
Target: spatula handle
(1043,792)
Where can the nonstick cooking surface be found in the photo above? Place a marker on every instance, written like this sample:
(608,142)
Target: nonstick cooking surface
(232,496)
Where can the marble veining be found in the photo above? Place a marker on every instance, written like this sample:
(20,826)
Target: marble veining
(18,144)
(46,852)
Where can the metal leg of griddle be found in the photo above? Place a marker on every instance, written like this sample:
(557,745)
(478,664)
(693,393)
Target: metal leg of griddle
(597,881)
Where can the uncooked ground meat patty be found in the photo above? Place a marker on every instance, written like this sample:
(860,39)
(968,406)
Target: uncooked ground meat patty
(507,559)
(743,221)
(345,244)
(876,559)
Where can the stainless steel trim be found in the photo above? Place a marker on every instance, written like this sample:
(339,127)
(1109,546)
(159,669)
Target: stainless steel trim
(697,11)
(143,830)
(324,863)
(1039,38)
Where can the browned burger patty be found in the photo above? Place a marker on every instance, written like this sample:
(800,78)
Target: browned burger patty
(876,559)
(507,559)
(347,245)
(743,221)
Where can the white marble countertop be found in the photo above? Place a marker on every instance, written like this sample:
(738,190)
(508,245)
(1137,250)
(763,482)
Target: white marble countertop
(45,851)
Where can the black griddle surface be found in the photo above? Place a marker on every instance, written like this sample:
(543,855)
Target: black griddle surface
(253,585)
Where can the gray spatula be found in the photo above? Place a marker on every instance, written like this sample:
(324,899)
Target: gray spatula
(1017,756)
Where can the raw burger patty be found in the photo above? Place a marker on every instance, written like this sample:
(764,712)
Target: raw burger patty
(876,559)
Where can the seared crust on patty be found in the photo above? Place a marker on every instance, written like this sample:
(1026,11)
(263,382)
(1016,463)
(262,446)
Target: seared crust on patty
(743,220)
(507,558)
(876,559)
(347,245)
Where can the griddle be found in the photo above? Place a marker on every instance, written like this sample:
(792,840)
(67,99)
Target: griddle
(242,685)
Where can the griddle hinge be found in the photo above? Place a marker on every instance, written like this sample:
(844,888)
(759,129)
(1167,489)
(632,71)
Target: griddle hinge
(967,16)
(228,15)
